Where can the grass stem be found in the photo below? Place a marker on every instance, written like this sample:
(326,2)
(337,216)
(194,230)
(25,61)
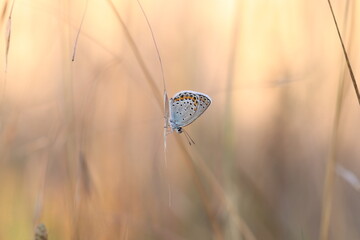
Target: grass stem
(345,54)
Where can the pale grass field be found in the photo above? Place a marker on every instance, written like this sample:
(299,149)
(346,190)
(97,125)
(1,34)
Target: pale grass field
(81,143)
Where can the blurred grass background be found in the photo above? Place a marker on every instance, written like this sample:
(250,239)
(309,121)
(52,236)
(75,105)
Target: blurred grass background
(81,142)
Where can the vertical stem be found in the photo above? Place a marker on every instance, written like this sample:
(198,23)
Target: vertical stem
(345,54)
(228,147)
(332,158)
(216,228)
(69,118)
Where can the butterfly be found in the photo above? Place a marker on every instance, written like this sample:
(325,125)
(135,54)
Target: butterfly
(185,107)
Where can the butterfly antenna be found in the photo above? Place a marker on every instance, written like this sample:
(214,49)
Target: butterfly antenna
(190,140)
(187,138)
(157,49)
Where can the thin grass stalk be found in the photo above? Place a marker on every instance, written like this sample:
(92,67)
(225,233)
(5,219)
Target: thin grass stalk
(228,150)
(39,205)
(166,104)
(84,180)
(70,129)
(330,169)
(78,33)
(219,190)
(155,90)
(8,37)
(345,54)
(330,173)
(3,12)
(87,109)
(229,141)
(201,190)
(7,49)
(156,46)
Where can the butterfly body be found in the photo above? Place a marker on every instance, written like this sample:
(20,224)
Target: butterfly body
(185,107)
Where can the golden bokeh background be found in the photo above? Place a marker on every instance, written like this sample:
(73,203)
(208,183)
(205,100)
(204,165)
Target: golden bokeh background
(81,142)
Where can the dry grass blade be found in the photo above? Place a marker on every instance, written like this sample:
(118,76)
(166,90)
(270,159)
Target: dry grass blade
(8,38)
(328,188)
(241,225)
(3,12)
(87,108)
(345,54)
(156,46)
(139,58)
(201,189)
(78,33)
(327,194)
(84,175)
(228,151)
(7,48)
(166,100)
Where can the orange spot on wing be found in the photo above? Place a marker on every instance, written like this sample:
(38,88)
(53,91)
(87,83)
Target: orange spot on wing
(184,98)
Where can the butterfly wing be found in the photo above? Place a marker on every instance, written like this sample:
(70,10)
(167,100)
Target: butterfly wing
(204,103)
(186,107)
